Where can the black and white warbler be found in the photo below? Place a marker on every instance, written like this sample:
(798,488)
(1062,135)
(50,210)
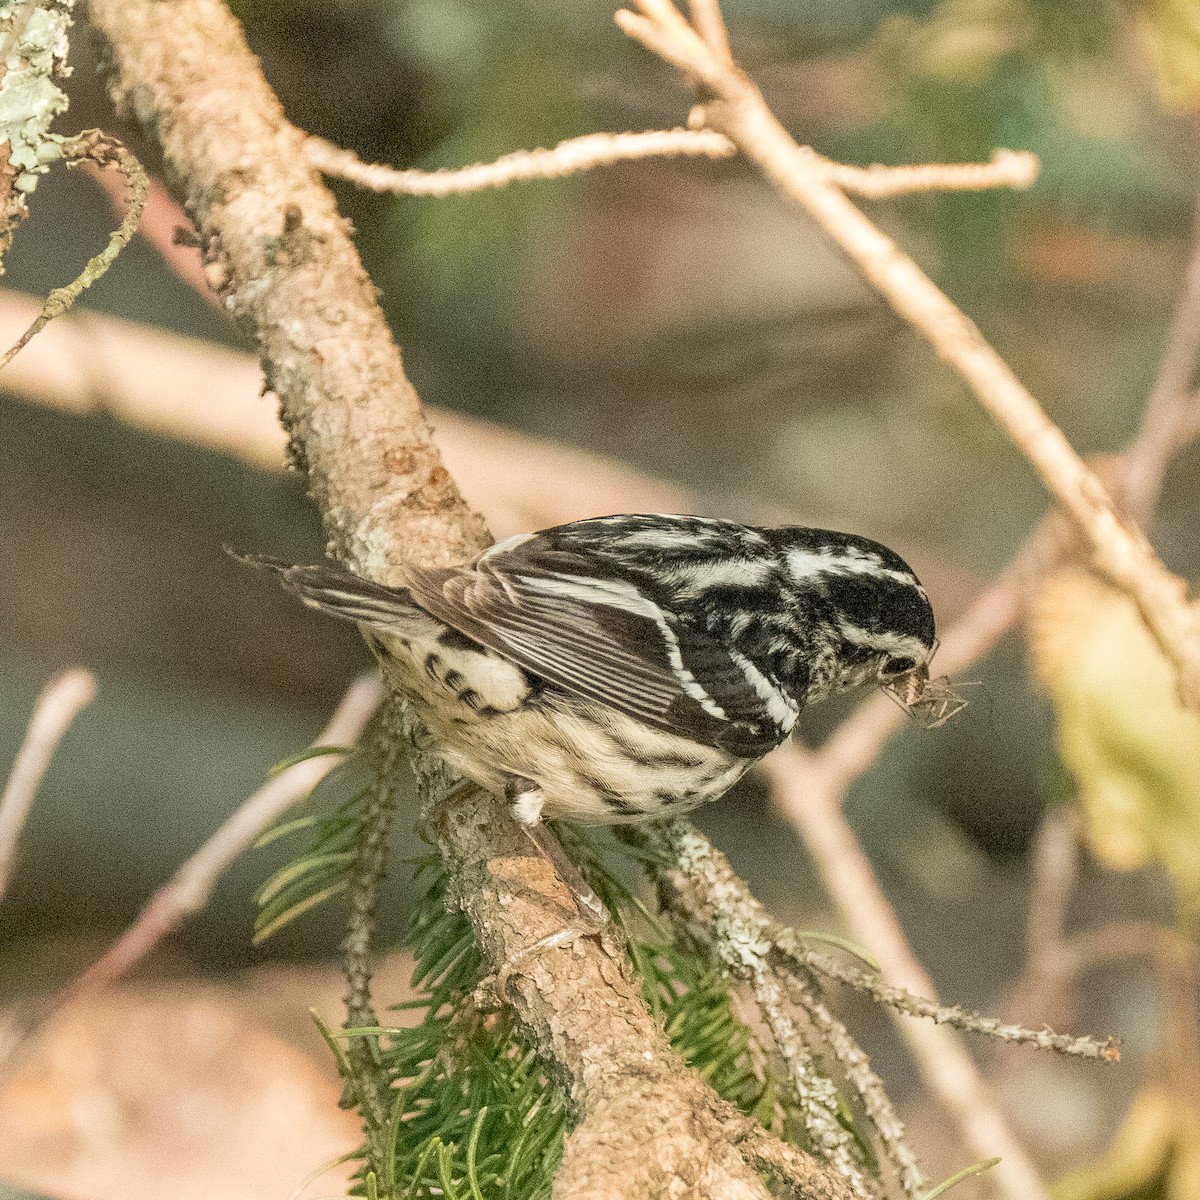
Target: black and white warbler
(625,667)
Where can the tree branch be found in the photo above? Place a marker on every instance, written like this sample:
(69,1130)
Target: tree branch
(288,272)
(59,704)
(567,158)
(816,813)
(1008,168)
(209,396)
(1118,549)
(190,887)
(92,146)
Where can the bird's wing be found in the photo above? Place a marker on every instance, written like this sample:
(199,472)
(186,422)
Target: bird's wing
(564,617)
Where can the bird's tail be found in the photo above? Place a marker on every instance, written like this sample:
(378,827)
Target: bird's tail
(340,593)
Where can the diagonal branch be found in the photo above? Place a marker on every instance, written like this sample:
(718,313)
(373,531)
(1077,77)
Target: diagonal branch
(1118,548)
(287,270)
(58,705)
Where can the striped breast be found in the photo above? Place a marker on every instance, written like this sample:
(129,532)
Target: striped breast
(490,720)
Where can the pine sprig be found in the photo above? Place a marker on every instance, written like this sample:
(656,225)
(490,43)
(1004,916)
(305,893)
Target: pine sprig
(473,1116)
(467,1111)
(318,873)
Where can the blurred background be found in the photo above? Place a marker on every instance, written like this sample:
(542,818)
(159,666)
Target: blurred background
(677,319)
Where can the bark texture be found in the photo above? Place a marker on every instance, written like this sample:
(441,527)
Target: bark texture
(280,255)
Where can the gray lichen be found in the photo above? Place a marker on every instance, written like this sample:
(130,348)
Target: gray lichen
(33,50)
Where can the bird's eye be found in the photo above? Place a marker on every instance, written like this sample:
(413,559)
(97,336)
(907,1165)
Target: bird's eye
(898,666)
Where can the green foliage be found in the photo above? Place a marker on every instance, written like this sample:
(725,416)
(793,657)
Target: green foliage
(1027,74)
(321,871)
(470,1112)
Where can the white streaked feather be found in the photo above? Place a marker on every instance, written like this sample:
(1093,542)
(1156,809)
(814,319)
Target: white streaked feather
(618,594)
(780,707)
(724,572)
(805,564)
(889,643)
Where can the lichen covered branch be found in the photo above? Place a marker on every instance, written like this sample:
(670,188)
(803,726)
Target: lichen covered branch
(33,52)
(286,269)
(92,146)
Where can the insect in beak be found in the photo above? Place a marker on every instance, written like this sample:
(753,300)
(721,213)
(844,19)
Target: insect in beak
(932,701)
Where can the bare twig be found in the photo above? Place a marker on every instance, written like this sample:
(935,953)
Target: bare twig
(1053,868)
(1056,958)
(1169,422)
(1007,169)
(358,945)
(99,148)
(567,158)
(861,1076)
(707,18)
(58,705)
(703,887)
(812,784)
(816,1094)
(1118,549)
(1106,1049)
(951,1075)
(166,227)
(743,936)
(189,888)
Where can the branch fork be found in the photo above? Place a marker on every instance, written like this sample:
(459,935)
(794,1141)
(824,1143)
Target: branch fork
(1118,550)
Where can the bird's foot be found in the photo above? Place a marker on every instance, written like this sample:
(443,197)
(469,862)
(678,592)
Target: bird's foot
(592,919)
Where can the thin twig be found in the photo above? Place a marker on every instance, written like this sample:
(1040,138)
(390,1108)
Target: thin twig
(106,151)
(1106,1049)
(1118,549)
(190,887)
(707,18)
(1054,864)
(949,1070)
(861,1076)
(945,1064)
(166,227)
(567,158)
(369,1079)
(1169,420)
(816,1095)
(1007,169)
(741,931)
(809,785)
(721,902)
(59,704)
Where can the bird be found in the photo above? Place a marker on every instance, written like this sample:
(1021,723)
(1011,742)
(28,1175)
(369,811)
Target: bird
(629,667)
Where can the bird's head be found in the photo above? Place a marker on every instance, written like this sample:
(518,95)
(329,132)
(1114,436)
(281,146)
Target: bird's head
(867,617)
